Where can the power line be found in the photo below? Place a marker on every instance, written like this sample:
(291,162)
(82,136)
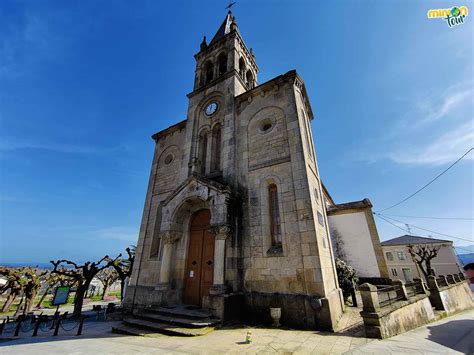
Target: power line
(430,182)
(449,218)
(416,235)
(429,230)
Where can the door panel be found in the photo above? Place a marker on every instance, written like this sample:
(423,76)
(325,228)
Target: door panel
(207,271)
(193,270)
(200,262)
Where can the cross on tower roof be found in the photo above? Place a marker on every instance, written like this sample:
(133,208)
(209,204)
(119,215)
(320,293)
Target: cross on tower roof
(230,5)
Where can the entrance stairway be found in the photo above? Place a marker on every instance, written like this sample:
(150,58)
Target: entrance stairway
(178,320)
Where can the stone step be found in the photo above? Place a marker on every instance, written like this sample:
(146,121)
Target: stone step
(165,328)
(127,330)
(181,312)
(178,320)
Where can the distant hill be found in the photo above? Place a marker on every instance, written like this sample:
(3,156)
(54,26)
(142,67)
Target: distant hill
(468,249)
(38,265)
(466,258)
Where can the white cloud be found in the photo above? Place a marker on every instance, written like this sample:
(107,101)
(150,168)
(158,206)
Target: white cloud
(122,233)
(445,149)
(440,106)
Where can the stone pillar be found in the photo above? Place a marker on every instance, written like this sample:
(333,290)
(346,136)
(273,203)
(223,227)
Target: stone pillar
(433,284)
(421,284)
(370,298)
(221,233)
(401,289)
(168,238)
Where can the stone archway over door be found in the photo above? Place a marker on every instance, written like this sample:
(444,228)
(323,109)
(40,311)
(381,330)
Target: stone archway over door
(200,261)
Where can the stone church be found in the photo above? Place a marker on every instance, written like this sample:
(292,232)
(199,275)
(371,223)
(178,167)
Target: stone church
(235,214)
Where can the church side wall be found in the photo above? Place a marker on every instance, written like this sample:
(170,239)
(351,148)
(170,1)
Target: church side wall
(304,267)
(168,162)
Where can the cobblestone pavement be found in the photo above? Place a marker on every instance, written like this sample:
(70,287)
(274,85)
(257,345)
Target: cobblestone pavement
(446,336)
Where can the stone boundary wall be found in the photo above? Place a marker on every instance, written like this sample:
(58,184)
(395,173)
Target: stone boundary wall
(391,310)
(451,298)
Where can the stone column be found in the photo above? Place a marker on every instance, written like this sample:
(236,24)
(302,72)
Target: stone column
(221,233)
(168,238)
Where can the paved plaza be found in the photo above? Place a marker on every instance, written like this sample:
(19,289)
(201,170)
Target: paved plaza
(453,335)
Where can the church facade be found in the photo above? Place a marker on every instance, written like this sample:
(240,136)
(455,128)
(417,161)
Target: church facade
(235,218)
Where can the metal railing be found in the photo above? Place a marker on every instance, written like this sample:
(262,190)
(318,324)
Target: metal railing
(388,295)
(414,288)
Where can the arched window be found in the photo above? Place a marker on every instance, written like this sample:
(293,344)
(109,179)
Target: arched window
(209,71)
(242,67)
(222,60)
(249,78)
(216,149)
(203,151)
(274,209)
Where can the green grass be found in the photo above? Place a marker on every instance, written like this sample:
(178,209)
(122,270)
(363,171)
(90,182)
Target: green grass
(48,299)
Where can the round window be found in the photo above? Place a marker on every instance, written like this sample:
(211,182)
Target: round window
(169,158)
(266,125)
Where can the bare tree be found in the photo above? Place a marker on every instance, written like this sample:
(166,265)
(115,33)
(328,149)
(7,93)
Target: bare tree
(83,274)
(15,285)
(52,280)
(107,277)
(124,267)
(422,255)
(31,287)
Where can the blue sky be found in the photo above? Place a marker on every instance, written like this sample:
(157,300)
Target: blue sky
(84,84)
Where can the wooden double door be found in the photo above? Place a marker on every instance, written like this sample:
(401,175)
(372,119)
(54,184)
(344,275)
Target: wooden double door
(200,262)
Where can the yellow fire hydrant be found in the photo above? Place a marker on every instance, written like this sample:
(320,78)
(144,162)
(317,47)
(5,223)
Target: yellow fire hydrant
(248,338)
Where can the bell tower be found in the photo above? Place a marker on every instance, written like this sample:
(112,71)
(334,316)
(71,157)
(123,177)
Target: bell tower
(225,54)
(225,68)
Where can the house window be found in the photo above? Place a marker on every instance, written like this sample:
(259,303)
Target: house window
(394,272)
(320,219)
(275,225)
(389,256)
(401,255)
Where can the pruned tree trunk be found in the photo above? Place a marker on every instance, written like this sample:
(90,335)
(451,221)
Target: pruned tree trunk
(104,292)
(29,302)
(122,287)
(17,312)
(9,302)
(79,300)
(43,296)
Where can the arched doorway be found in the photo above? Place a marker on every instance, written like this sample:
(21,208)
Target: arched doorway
(200,261)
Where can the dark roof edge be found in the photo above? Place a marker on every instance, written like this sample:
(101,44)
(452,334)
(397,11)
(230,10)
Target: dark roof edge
(169,130)
(365,203)
(403,241)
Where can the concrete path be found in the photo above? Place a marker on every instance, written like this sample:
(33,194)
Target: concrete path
(451,335)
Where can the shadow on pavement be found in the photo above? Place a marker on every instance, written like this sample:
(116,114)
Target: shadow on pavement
(456,334)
